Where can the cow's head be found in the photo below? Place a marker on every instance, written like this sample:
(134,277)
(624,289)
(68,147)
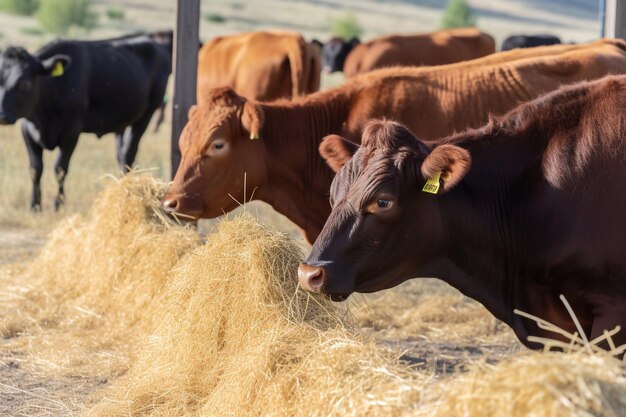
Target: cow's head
(219,147)
(380,216)
(334,53)
(19,75)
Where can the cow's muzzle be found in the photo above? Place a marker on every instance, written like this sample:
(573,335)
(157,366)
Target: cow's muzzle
(311,277)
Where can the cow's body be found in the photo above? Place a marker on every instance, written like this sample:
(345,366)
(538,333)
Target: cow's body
(530,206)
(529,41)
(107,86)
(284,167)
(439,48)
(260,65)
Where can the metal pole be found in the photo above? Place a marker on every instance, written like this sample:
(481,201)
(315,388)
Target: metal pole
(615,19)
(185,69)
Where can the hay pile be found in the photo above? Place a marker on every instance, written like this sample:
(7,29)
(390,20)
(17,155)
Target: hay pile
(87,298)
(239,339)
(541,385)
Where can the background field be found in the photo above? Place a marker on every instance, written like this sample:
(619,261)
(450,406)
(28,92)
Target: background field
(428,322)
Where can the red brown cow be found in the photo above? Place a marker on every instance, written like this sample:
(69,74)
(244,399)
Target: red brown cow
(513,214)
(284,166)
(438,48)
(260,65)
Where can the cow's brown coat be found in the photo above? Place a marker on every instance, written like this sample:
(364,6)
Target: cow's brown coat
(260,65)
(438,48)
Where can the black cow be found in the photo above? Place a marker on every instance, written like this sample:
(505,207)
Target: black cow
(524,41)
(334,53)
(70,87)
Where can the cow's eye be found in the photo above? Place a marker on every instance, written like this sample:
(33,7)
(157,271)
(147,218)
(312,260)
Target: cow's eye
(218,145)
(381,204)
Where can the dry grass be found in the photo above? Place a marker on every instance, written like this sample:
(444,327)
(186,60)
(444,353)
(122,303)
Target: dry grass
(88,294)
(540,384)
(239,338)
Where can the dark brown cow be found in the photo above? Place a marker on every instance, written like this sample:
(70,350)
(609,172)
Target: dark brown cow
(284,167)
(260,65)
(514,214)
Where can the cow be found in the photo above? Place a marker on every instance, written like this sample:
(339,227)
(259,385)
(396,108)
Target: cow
(69,87)
(438,48)
(512,214)
(284,167)
(529,41)
(260,65)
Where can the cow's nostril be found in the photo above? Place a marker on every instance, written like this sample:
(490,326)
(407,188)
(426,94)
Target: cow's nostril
(311,277)
(170,204)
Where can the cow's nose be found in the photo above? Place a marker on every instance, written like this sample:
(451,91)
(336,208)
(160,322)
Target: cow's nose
(170,204)
(311,277)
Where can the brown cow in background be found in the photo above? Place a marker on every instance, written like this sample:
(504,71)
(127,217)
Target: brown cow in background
(438,48)
(260,65)
(284,167)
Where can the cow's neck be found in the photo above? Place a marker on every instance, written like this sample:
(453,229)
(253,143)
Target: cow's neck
(298,178)
(486,238)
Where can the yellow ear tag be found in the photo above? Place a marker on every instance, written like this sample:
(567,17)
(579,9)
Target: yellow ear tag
(57,71)
(254,136)
(432,184)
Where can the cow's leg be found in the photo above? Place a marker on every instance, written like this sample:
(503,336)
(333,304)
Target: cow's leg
(35,156)
(119,147)
(61,167)
(127,149)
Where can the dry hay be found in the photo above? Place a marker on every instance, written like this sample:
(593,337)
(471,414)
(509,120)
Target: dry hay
(538,384)
(239,339)
(86,299)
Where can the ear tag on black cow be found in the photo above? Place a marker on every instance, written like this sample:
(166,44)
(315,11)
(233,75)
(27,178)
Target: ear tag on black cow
(432,184)
(57,71)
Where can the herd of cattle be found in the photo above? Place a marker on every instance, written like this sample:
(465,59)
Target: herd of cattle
(501,173)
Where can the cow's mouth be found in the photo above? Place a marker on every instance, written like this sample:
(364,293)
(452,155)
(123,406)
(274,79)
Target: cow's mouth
(337,297)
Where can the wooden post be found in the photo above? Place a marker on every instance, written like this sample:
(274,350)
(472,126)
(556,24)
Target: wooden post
(186,36)
(615,19)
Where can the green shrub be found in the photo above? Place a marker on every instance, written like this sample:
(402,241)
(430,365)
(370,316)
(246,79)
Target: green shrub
(115,14)
(23,7)
(457,15)
(215,17)
(58,16)
(347,27)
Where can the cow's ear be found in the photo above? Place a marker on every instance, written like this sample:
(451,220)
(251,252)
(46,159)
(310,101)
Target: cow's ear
(319,45)
(252,119)
(56,65)
(448,163)
(337,151)
(354,42)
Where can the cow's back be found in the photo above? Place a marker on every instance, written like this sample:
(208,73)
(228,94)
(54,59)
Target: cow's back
(437,101)
(438,48)
(259,65)
(107,86)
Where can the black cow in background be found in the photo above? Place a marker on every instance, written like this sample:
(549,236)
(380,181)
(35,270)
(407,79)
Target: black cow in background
(334,53)
(69,87)
(524,41)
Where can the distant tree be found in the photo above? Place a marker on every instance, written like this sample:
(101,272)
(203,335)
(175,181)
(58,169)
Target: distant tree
(23,7)
(347,27)
(58,16)
(458,14)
